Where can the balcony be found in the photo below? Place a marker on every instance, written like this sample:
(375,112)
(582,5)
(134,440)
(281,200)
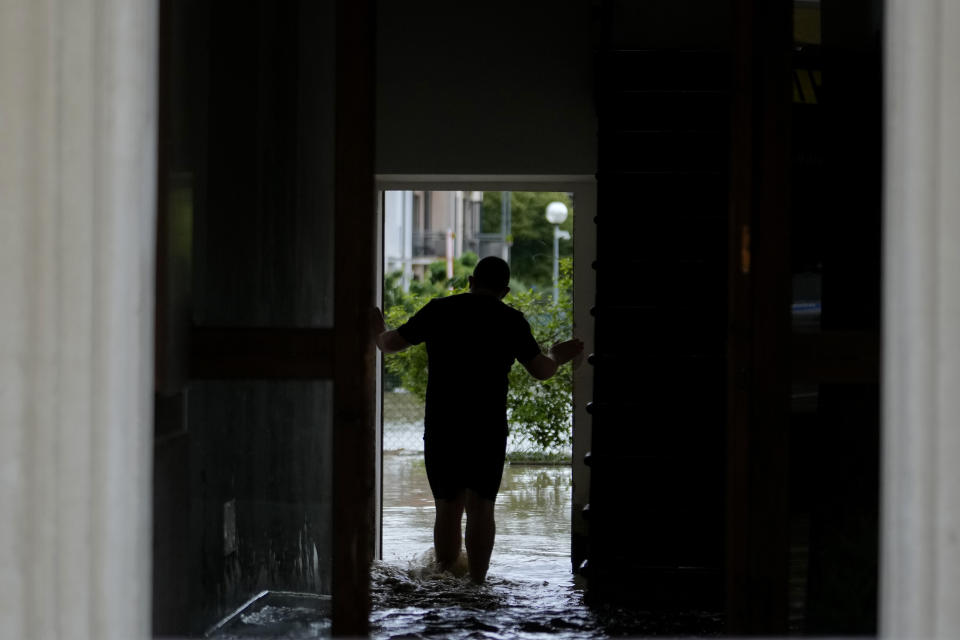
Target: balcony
(428,244)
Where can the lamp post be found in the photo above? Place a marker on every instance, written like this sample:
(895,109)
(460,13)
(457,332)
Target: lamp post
(556,214)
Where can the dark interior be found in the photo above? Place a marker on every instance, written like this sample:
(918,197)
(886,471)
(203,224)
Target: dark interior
(737,152)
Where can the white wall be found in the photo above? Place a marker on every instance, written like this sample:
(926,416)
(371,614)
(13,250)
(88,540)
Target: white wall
(485,88)
(77,201)
(398,233)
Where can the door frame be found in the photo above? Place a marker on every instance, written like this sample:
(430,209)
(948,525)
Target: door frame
(584,188)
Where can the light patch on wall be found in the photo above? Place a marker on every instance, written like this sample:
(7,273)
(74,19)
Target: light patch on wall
(229,527)
(806,22)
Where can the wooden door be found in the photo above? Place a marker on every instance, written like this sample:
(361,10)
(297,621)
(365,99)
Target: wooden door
(266,375)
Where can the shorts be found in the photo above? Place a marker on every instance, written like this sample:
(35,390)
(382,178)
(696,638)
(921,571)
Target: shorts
(455,464)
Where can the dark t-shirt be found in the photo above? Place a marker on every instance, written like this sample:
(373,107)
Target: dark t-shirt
(472,341)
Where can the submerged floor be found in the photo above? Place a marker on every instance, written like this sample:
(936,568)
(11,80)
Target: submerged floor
(530,590)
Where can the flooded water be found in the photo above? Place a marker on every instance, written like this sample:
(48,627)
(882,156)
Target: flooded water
(530,590)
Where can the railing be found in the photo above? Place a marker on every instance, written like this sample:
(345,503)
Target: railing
(403,432)
(429,243)
(434,243)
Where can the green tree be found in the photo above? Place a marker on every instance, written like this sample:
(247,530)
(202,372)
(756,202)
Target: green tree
(538,411)
(531,254)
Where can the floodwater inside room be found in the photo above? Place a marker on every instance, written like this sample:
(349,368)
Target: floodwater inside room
(530,588)
(529,593)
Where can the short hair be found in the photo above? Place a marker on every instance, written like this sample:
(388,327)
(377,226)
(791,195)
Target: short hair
(492,273)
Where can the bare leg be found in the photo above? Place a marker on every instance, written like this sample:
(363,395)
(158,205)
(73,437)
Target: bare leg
(481,530)
(446,530)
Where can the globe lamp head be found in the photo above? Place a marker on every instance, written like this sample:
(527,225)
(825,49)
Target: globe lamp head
(556,212)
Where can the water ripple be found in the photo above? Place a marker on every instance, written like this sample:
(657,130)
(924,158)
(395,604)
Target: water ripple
(419,601)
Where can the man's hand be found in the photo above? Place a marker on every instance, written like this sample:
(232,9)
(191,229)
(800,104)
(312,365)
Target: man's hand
(542,366)
(389,341)
(567,350)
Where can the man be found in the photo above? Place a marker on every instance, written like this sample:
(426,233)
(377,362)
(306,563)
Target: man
(472,340)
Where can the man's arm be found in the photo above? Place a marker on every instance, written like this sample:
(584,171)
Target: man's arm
(388,340)
(543,366)
(391,341)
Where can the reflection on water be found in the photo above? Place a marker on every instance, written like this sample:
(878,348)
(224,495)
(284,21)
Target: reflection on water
(277,614)
(441,605)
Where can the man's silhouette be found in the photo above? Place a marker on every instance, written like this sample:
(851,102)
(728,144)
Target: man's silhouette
(472,340)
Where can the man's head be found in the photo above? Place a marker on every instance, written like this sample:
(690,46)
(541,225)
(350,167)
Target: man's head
(491,276)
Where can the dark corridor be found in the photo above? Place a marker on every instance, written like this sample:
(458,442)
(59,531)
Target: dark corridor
(734,462)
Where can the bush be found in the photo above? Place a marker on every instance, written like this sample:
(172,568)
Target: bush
(538,411)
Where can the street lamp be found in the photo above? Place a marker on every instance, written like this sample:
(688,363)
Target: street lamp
(556,214)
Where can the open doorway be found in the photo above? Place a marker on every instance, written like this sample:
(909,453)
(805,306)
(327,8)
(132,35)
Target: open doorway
(435,230)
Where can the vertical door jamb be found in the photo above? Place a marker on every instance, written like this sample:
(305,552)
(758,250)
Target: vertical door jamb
(355,360)
(759,323)
(584,189)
